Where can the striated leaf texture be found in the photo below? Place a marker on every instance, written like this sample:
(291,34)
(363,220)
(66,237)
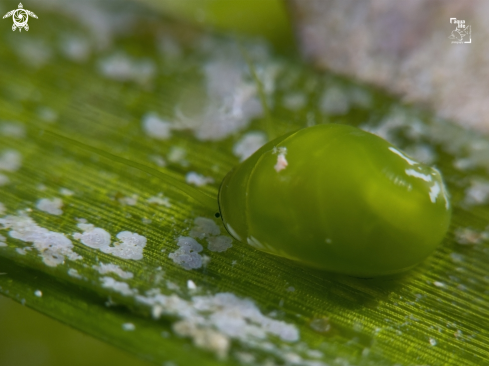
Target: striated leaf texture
(140,261)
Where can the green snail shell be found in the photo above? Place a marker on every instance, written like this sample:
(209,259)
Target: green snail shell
(337,198)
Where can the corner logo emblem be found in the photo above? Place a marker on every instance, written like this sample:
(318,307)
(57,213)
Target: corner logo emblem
(20,17)
(462,33)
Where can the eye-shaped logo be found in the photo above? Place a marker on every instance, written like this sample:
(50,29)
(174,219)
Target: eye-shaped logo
(20,17)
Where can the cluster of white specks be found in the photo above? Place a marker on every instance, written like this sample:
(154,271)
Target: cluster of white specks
(248,144)
(467,236)
(159,200)
(207,228)
(197,179)
(204,338)
(66,192)
(38,293)
(129,246)
(53,247)
(129,201)
(10,160)
(74,273)
(231,99)
(204,227)
(281,160)
(103,268)
(122,67)
(120,287)
(51,206)
(93,237)
(294,101)
(128,327)
(188,254)
(155,127)
(478,192)
(213,320)
(219,243)
(334,101)
(12,129)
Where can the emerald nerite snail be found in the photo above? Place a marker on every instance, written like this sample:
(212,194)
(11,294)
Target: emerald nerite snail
(339,199)
(332,197)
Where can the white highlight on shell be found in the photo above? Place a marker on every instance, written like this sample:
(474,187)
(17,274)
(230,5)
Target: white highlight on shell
(120,287)
(51,206)
(10,160)
(409,161)
(53,247)
(414,173)
(435,190)
(197,179)
(248,144)
(188,254)
(155,127)
(281,160)
(204,227)
(233,232)
(128,327)
(219,243)
(104,268)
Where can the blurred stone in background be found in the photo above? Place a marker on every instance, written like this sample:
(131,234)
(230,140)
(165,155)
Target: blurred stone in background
(405,47)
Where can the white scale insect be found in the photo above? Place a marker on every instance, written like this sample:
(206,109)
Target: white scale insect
(20,17)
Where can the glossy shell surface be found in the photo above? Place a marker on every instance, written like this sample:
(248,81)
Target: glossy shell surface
(337,198)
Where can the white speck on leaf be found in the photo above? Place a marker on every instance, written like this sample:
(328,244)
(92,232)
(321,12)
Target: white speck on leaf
(53,247)
(10,160)
(93,237)
(129,201)
(155,127)
(120,287)
(198,179)
(12,129)
(188,254)
(159,200)
(74,273)
(38,293)
(204,227)
(129,246)
(191,285)
(104,268)
(66,192)
(219,243)
(128,327)
(51,206)
(4,180)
